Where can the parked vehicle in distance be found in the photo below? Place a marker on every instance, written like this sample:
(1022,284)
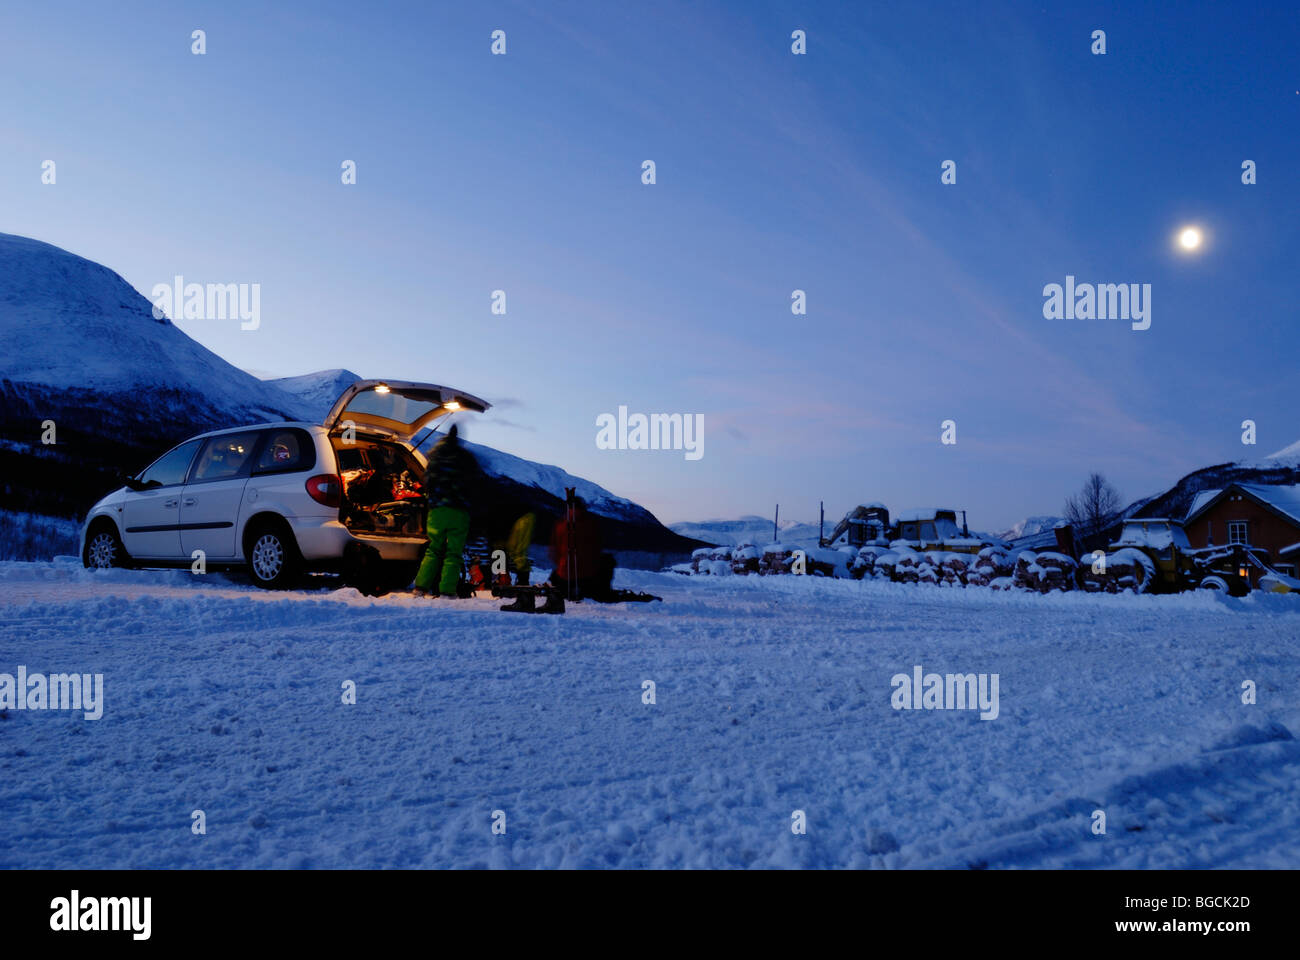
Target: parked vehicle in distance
(1153,555)
(284,498)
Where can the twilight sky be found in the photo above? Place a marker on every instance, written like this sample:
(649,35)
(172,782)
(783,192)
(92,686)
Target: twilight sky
(775,172)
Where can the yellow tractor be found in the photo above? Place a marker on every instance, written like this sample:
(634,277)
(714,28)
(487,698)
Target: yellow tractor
(1153,555)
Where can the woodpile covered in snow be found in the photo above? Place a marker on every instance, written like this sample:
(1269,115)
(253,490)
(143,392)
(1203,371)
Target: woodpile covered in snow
(995,567)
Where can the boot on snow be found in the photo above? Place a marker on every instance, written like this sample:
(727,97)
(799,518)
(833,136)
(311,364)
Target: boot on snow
(525,602)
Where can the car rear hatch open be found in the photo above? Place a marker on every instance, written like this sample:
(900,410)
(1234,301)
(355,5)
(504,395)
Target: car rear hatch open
(396,408)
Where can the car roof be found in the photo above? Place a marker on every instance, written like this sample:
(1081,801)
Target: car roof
(301,424)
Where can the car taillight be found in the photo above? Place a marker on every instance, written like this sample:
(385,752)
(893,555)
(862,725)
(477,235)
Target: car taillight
(326,489)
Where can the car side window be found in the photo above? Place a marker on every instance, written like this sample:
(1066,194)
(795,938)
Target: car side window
(284,451)
(224,457)
(169,469)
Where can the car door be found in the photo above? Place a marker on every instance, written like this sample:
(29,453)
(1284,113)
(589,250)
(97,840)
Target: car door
(211,497)
(151,514)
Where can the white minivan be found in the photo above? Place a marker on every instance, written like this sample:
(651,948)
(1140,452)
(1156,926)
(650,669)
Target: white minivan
(284,498)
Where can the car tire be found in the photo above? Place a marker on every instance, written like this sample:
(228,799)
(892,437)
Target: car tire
(398,574)
(273,558)
(104,549)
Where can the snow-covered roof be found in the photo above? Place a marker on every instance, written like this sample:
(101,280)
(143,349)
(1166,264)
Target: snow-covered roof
(1285,499)
(1201,500)
(922,513)
(1154,532)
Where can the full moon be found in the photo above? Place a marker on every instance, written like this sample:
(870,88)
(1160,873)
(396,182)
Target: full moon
(1189,238)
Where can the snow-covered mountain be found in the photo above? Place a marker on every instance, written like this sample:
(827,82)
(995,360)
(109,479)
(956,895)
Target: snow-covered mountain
(747,529)
(1290,452)
(1028,527)
(316,392)
(68,323)
(80,347)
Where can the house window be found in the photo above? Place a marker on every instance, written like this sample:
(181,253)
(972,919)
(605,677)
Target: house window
(1237,532)
(1287,568)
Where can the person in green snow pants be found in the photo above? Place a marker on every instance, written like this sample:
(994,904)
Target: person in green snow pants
(440,569)
(451,471)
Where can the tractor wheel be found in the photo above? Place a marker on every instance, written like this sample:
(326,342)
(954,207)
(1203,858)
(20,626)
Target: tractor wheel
(1213,583)
(1144,568)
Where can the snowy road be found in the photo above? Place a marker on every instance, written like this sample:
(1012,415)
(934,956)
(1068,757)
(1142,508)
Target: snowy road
(773,695)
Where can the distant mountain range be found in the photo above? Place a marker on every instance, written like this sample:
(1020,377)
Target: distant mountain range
(79,346)
(748,529)
(1030,526)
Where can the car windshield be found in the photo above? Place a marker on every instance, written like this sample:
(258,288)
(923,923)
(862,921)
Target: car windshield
(169,469)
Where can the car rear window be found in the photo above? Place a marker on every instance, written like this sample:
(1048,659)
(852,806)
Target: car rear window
(391,405)
(285,451)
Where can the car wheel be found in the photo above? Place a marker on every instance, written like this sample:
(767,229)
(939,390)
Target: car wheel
(103,549)
(273,559)
(398,574)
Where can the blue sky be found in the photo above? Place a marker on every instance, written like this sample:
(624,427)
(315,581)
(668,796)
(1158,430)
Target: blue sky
(775,172)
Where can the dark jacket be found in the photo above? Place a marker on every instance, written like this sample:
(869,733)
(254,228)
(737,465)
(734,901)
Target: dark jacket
(452,473)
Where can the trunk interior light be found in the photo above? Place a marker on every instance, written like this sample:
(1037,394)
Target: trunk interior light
(452,404)
(381,388)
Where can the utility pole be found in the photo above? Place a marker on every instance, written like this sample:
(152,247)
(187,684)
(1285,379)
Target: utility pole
(821,523)
(776,519)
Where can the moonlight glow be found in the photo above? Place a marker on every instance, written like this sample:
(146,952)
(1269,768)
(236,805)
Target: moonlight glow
(1189,238)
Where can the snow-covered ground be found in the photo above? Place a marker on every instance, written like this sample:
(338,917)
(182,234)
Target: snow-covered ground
(773,695)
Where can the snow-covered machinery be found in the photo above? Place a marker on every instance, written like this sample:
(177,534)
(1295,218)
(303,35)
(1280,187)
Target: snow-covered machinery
(934,528)
(1153,555)
(921,546)
(864,524)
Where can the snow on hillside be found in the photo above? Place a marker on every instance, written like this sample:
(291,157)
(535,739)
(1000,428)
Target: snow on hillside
(1029,527)
(1291,452)
(553,480)
(747,529)
(70,323)
(773,695)
(317,391)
